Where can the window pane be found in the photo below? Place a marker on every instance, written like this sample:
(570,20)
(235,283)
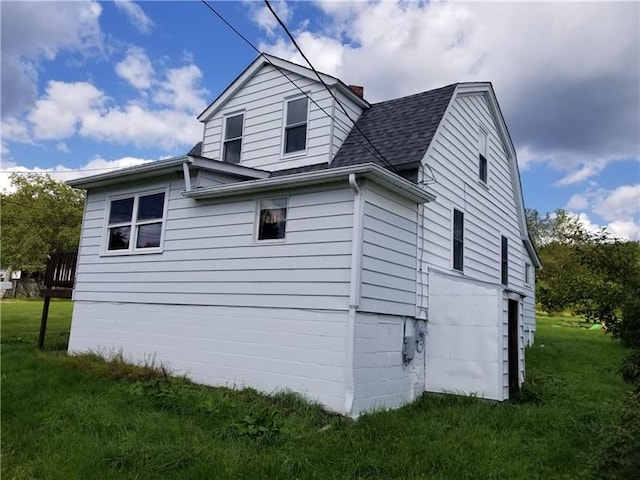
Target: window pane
(295,139)
(297,111)
(119,238)
(149,235)
(458,240)
(458,225)
(232,151)
(505,261)
(458,255)
(273,219)
(483,168)
(234,127)
(151,206)
(121,210)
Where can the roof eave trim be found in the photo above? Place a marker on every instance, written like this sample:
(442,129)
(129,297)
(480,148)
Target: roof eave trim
(138,172)
(228,168)
(370,171)
(533,255)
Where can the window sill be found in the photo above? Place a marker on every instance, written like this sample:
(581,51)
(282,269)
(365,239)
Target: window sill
(126,253)
(287,156)
(275,241)
(484,185)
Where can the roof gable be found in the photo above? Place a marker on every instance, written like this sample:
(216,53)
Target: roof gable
(282,65)
(401,129)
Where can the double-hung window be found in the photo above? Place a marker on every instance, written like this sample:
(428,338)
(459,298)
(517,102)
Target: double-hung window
(483,166)
(504,261)
(136,223)
(295,128)
(458,240)
(233,138)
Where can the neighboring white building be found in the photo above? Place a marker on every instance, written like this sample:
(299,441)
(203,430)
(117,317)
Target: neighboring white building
(285,251)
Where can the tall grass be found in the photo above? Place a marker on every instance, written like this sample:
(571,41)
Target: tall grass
(83,417)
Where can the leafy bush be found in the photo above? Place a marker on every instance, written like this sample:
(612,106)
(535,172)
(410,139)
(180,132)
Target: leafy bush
(261,426)
(628,328)
(619,457)
(630,369)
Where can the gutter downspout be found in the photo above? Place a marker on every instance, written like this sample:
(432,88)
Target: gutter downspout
(354,293)
(187,176)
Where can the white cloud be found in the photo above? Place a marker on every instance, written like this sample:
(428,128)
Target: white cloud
(52,27)
(136,68)
(619,208)
(620,204)
(180,90)
(583,171)
(265,19)
(15,130)
(62,147)
(166,118)
(577,202)
(135,15)
(96,165)
(626,230)
(64,105)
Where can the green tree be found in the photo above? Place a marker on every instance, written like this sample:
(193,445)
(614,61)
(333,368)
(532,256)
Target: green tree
(40,216)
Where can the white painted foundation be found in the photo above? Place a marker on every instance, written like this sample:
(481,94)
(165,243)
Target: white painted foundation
(267,349)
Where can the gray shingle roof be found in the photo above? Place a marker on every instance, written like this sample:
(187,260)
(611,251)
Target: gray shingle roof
(401,129)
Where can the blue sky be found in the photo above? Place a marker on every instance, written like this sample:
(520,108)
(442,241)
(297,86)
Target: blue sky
(97,85)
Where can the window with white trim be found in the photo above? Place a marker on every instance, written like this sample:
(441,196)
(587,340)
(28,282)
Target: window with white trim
(272,218)
(483,165)
(232,148)
(295,129)
(458,240)
(135,223)
(527,274)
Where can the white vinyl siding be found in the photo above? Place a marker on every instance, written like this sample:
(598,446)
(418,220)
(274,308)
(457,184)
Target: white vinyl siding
(210,256)
(388,254)
(262,98)
(489,213)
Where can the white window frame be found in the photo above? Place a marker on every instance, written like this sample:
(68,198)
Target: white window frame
(285,103)
(453,230)
(483,137)
(256,229)
(134,223)
(224,133)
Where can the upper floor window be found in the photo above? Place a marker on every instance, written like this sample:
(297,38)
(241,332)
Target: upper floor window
(135,223)
(233,138)
(458,240)
(272,218)
(483,166)
(295,129)
(527,274)
(504,270)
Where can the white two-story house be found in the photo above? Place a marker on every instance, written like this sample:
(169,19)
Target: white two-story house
(359,254)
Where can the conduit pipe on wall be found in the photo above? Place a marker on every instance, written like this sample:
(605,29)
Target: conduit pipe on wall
(354,293)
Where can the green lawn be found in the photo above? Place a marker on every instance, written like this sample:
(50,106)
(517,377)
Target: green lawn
(78,417)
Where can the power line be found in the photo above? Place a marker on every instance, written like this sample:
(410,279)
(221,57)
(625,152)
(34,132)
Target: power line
(248,42)
(355,124)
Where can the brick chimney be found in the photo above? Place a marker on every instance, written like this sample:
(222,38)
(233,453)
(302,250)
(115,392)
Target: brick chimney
(358,90)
